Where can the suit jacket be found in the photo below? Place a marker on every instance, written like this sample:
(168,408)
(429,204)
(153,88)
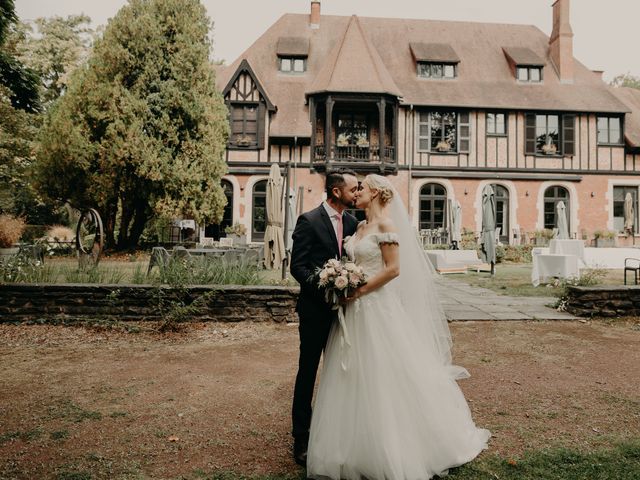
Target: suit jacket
(314,242)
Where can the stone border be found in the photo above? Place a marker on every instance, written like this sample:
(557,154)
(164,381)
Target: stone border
(604,301)
(227,303)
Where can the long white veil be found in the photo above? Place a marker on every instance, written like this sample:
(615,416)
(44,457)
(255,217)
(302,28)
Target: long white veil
(416,287)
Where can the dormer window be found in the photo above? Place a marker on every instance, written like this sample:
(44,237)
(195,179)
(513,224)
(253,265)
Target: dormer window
(526,64)
(529,74)
(293,64)
(435,60)
(437,70)
(292,54)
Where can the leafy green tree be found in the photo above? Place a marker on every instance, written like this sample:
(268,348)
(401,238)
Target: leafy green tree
(22,82)
(626,80)
(141,129)
(57,47)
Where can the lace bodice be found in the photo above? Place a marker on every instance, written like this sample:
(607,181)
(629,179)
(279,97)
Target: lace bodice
(365,250)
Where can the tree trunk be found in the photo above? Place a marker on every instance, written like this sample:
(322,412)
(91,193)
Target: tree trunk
(139,222)
(125,221)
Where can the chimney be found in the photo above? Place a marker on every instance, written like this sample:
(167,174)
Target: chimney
(561,41)
(314,18)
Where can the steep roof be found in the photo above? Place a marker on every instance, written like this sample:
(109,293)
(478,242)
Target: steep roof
(631,98)
(364,54)
(354,65)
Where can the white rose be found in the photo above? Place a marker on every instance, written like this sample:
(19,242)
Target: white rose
(330,271)
(341,282)
(350,266)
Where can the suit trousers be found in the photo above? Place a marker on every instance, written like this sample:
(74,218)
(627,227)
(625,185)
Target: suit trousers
(314,330)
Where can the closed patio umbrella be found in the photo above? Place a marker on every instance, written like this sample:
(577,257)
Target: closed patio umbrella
(273,236)
(563,225)
(629,214)
(456,223)
(488,236)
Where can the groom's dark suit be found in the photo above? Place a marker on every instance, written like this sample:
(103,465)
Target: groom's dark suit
(314,242)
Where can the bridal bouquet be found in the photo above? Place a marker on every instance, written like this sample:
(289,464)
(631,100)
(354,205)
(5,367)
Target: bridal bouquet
(339,278)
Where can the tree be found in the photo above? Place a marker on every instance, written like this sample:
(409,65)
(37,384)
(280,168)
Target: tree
(141,129)
(58,48)
(626,80)
(22,82)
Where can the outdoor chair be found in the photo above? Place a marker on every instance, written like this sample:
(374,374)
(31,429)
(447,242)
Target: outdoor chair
(226,242)
(159,257)
(181,253)
(632,265)
(230,258)
(250,258)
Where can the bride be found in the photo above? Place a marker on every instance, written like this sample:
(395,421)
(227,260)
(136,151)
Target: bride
(388,406)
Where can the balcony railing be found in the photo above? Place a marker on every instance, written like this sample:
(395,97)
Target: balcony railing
(354,153)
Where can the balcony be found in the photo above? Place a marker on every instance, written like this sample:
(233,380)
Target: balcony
(354,131)
(361,157)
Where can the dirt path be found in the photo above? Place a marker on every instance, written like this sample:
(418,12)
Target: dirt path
(217,396)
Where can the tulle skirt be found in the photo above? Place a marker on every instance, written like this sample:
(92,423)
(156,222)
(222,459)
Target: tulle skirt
(386,409)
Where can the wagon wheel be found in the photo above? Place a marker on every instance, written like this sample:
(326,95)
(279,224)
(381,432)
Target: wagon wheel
(89,237)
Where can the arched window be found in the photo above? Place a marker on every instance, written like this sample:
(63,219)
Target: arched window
(216,230)
(259,211)
(433,201)
(502,211)
(552,196)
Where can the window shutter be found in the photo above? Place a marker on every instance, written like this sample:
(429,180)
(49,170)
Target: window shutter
(530,134)
(260,125)
(568,134)
(464,132)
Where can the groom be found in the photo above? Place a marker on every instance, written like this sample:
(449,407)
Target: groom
(317,238)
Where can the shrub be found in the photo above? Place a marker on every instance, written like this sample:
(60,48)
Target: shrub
(11,229)
(60,233)
(605,234)
(237,229)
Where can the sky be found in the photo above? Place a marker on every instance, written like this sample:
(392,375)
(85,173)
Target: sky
(605,32)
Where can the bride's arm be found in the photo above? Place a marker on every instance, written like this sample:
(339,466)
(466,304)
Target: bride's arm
(391,269)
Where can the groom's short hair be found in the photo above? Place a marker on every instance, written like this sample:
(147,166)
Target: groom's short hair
(335,179)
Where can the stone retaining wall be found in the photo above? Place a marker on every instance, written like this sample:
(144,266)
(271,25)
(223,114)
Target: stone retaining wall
(140,302)
(604,301)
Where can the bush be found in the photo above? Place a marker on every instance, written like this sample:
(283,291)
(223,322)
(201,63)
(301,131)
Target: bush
(60,233)
(605,234)
(517,253)
(237,229)
(11,229)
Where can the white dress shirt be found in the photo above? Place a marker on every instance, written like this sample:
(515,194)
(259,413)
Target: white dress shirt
(332,215)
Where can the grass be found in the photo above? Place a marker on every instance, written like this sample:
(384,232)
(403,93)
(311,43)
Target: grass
(621,462)
(65,270)
(515,280)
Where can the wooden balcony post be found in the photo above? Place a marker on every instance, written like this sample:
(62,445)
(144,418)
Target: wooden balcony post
(314,121)
(327,129)
(381,145)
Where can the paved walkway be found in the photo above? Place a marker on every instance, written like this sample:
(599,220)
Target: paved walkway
(465,302)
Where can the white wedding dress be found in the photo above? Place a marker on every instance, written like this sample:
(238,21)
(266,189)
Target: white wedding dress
(386,408)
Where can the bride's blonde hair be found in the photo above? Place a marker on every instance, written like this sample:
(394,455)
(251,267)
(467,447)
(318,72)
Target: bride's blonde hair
(382,185)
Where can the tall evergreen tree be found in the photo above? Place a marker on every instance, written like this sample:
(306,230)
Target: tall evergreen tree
(141,129)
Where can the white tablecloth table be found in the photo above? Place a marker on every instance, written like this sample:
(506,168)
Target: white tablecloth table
(568,247)
(546,266)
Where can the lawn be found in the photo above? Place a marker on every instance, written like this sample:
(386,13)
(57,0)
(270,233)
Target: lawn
(514,279)
(213,401)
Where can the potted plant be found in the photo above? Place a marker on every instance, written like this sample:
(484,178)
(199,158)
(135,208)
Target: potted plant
(443,146)
(243,140)
(11,229)
(605,238)
(549,149)
(238,232)
(541,237)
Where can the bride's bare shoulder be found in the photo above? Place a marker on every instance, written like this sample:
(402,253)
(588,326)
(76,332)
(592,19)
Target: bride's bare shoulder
(387,225)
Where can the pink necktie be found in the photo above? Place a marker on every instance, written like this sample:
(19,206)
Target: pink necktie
(339,219)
